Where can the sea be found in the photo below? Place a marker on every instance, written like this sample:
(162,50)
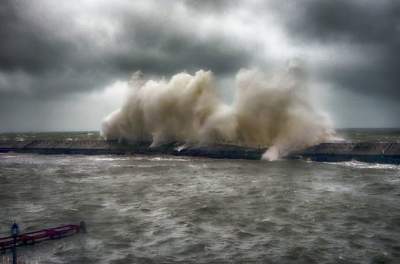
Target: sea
(165,209)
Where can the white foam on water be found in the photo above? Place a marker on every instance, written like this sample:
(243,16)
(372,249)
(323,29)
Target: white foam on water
(365,165)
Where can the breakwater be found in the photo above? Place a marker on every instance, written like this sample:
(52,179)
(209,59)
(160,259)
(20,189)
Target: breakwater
(378,152)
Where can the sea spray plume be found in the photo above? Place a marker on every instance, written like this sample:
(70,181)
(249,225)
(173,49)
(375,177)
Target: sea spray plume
(269,110)
(276,111)
(163,111)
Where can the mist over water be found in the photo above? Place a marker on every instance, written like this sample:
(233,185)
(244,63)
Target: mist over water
(269,109)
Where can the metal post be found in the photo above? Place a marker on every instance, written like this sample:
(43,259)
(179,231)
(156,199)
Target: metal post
(82,227)
(14,233)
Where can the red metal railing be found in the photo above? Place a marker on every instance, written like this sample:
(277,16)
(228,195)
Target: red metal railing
(31,238)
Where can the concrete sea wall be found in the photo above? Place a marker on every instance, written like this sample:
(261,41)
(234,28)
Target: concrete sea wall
(377,152)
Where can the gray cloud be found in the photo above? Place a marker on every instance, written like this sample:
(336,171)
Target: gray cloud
(166,48)
(356,20)
(62,59)
(51,52)
(371,28)
(212,5)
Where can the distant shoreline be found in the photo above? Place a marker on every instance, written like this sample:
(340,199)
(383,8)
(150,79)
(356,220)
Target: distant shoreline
(98,131)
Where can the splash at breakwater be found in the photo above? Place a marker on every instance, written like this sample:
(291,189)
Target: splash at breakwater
(272,110)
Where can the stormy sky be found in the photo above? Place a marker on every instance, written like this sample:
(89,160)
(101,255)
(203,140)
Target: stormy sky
(64,64)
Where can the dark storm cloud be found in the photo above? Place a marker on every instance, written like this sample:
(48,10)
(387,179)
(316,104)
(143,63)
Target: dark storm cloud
(160,48)
(24,46)
(57,51)
(36,62)
(40,59)
(356,20)
(371,28)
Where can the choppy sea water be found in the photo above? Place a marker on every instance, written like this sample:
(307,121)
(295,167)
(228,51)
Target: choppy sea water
(160,209)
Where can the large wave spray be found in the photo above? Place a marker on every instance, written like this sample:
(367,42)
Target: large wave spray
(269,110)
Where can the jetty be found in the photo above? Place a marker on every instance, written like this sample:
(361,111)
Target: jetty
(376,152)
